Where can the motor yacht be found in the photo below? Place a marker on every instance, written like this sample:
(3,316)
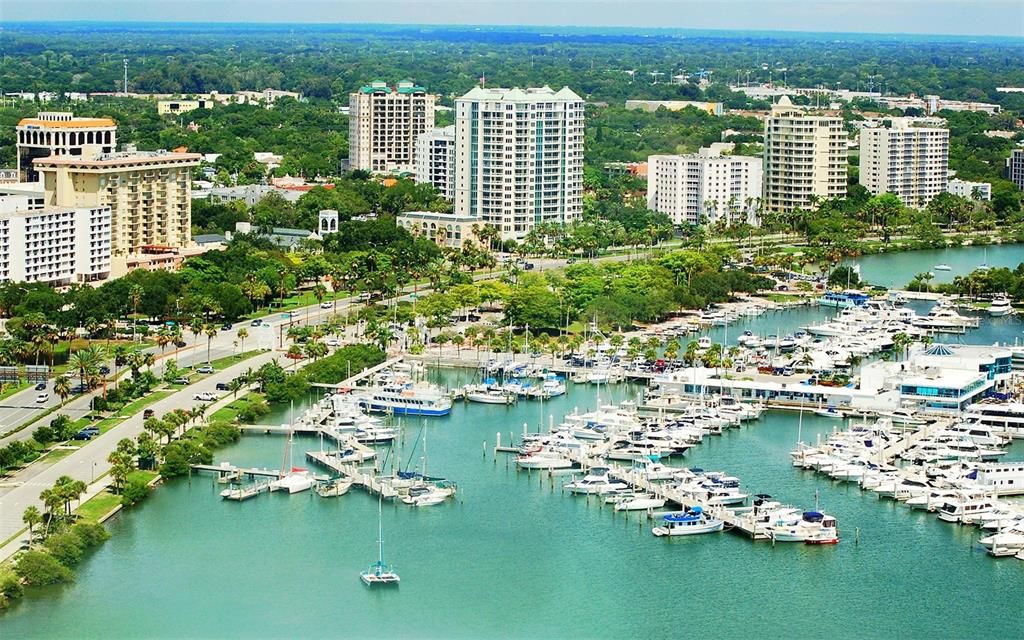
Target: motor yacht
(813,527)
(1000,307)
(638,502)
(694,521)
(597,482)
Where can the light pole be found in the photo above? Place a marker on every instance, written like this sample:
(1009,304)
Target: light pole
(93,472)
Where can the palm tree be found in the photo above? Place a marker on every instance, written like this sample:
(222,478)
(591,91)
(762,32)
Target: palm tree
(51,499)
(135,293)
(62,387)
(211,332)
(31,517)
(243,333)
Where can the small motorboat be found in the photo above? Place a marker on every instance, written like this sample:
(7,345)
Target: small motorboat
(693,521)
(427,495)
(942,267)
(638,502)
(830,412)
(334,488)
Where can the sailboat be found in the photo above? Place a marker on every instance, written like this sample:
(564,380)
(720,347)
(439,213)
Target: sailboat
(378,572)
(296,480)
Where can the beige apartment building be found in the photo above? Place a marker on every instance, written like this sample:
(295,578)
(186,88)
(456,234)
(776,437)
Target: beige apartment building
(805,156)
(148,194)
(384,123)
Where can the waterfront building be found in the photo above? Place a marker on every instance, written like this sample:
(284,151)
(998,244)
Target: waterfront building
(60,133)
(706,185)
(148,194)
(384,123)
(435,160)
(968,189)
(53,245)
(911,162)
(805,157)
(519,157)
(1015,167)
(446,229)
(174,107)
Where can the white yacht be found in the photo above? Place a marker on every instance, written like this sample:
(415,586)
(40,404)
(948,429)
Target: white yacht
(813,528)
(1000,306)
(1007,542)
(427,495)
(967,510)
(1005,416)
(295,481)
(405,398)
(597,482)
(638,502)
(488,394)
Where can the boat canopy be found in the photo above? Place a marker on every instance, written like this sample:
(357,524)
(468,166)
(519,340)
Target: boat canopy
(813,516)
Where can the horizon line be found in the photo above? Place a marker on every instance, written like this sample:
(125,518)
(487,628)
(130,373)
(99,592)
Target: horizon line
(631,30)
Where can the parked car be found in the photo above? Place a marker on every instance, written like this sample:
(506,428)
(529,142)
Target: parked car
(205,396)
(255,323)
(79,389)
(87,433)
(365,296)
(223,386)
(42,397)
(148,413)
(205,369)
(181,380)
(41,386)
(227,326)
(332,342)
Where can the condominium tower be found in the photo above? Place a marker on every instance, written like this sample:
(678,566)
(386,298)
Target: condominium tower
(435,160)
(60,133)
(805,156)
(705,184)
(911,162)
(519,157)
(384,123)
(148,194)
(1015,168)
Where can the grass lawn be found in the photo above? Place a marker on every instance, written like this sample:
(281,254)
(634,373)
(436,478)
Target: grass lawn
(143,476)
(783,297)
(223,363)
(136,406)
(97,506)
(229,413)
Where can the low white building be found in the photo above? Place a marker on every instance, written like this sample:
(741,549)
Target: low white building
(446,229)
(435,160)
(56,245)
(706,184)
(968,189)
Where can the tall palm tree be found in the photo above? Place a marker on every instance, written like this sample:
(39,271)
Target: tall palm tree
(31,517)
(135,293)
(211,332)
(62,387)
(243,333)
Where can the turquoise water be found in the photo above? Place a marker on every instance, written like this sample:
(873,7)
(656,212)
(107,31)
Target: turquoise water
(896,270)
(515,557)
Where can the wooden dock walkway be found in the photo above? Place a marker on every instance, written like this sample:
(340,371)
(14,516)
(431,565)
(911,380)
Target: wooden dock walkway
(227,472)
(363,477)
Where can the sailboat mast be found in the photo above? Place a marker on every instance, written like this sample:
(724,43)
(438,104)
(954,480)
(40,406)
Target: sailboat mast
(380,529)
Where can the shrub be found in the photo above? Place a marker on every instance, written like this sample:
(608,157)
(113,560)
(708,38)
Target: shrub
(180,454)
(134,491)
(38,568)
(63,427)
(44,435)
(249,410)
(65,547)
(218,434)
(91,535)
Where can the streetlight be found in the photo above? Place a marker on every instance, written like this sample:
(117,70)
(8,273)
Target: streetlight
(93,472)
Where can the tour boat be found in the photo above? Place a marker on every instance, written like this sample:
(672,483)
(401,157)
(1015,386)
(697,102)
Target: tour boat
(942,267)
(813,528)
(406,399)
(1000,307)
(690,522)
(379,573)
(844,300)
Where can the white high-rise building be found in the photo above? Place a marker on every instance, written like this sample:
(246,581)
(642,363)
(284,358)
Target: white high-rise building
(912,162)
(519,157)
(805,156)
(435,160)
(55,245)
(706,185)
(384,123)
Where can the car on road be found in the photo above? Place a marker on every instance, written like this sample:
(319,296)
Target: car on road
(223,386)
(79,389)
(42,397)
(205,369)
(255,323)
(571,261)
(227,326)
(326,304)
(205,396)
(181,380)
(293,314)
(365,296)
(148,413)
(332,342)
(41,386)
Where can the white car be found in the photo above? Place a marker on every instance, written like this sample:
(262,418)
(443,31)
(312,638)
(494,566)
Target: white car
(332,342)
(205,396)
(326,305)
(42,397)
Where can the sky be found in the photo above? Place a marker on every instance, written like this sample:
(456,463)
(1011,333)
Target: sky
(947,17)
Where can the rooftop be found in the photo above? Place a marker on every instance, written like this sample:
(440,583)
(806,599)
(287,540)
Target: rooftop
(76,123)
(119,159)
(515,94)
